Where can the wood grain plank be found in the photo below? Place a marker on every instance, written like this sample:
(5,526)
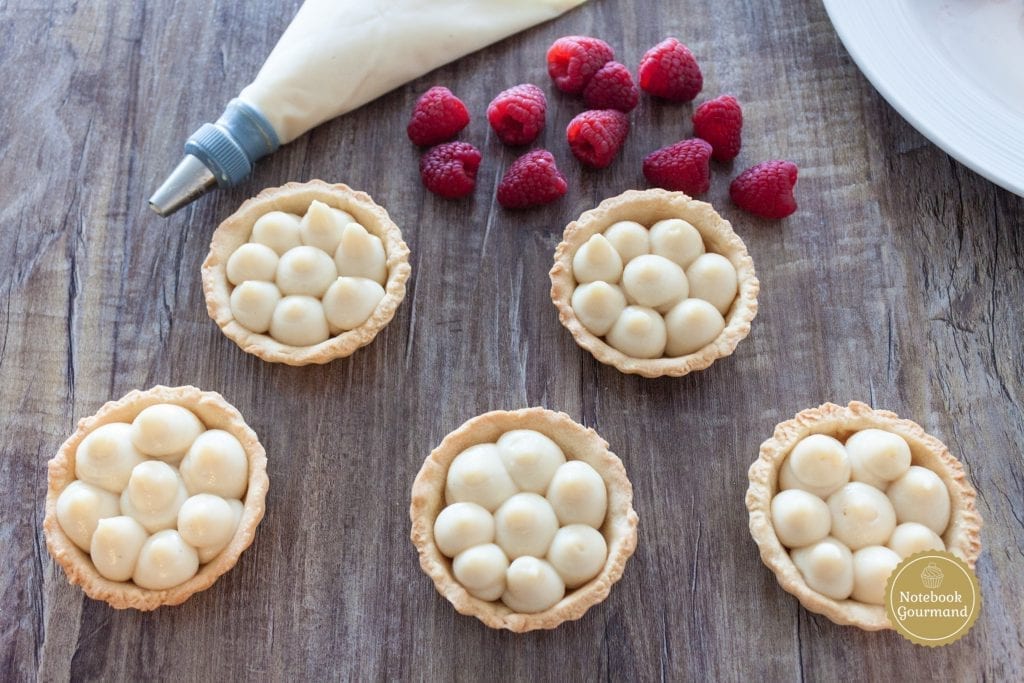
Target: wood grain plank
(898,282)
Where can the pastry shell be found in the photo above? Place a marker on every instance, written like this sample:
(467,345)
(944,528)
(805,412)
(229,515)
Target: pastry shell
(647,207)
(216,413)
(962,536)
(619,528)
(296,198)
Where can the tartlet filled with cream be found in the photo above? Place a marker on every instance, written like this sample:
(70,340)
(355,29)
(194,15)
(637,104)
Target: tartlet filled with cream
(654,283)
(841,495)
(305,273)
(155,496)
(523,519)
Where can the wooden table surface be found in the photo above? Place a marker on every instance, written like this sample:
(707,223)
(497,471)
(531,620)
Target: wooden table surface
(898,282)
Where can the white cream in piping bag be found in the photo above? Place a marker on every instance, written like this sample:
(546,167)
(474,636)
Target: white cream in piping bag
(335,56)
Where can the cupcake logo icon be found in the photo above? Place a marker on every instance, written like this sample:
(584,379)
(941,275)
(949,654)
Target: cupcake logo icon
(931,576)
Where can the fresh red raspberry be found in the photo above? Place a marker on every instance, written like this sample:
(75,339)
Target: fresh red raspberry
(517,114)
(438,115)
(612,87)
(573,60)
(766,189)
(596,136)
(531,180)
(684,166)
(450,169)
(720,122)
(669,70)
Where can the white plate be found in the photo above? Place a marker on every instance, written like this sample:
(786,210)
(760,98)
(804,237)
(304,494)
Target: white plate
(953,68)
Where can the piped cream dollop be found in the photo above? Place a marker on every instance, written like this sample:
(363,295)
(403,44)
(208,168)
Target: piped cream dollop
(596,260)
(629,238)
(921,496)
(712,277)
(350,301)
(818,464)
(80,507)
(691,325)
(827,567)
(107,456)
(877,457)
(598,305)
(216,463)
(477,475)
(639,332)
(323,225)
(677,240)
(116,545)
(277,230)
(525,525)
(532,585)
(299,321)
(154,495)
(910,538)
(305,270)
(577,552)
(800,518)
(252,261)
(654,281)
(871,569)
(481,570)
(578,494)
(361,254)
(165,561)
(207,521)
(209,552)
(861,515)
(253,304)
(165,431)
(462,525)
(530,458)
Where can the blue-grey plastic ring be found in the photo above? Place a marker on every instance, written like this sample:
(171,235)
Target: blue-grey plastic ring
(231,146)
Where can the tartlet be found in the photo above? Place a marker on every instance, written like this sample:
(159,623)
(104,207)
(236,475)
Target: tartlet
(619,527)
(962,534)
(216,414)
(296,199)
(648,207)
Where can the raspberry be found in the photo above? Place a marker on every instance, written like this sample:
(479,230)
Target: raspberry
(669,70)
(531,180)
(612,87)
(766,189)
(438,115)
(596,137)
(450,169)
(683,166)
(573,60)
(517,114)
(720,122)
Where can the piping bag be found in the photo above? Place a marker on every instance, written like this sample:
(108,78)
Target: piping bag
(335,56)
